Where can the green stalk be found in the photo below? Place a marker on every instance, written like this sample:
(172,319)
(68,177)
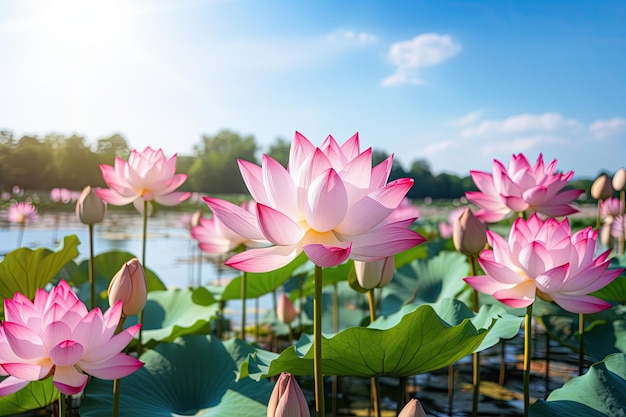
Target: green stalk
(20,235)
(335,378)
(317,344)
(143,263)
(116,382)
(92,286)
(62,405)
(527,338)
(581,343)
(475,355)
(620,242)
(374,380)
(244,279)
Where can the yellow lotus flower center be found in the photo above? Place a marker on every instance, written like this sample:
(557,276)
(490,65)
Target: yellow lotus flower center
(544,296)
(147,195)
(325,238)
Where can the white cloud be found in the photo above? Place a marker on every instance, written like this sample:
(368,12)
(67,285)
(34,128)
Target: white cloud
(521,144)
(424,50)
(352,36)
(602,129)
(436,148)
(466,120)
(519,124)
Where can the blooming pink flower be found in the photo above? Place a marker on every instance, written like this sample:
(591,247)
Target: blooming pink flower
(287,399)
(522,188)
(55,335)
(147,176)
(610,208)
(60,195)
(544,258)
(329,202)
(22,213)
(215,238)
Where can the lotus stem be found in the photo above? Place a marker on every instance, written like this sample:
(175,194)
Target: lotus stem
(62,405)
(475,355)
(317,344)
(371,297)
(116,382)
(402,383)
(581,343)
(92,285)
(450,388)
(335,379)
(144,237)
(527,338)
(547,363)
(20,235)
(244,282)
(620,242)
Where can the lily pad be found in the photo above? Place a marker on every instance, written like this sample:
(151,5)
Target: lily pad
(33,396)
(420,342)
(426,281)
(193,376)
(171,314)
(25,270)
(599,392)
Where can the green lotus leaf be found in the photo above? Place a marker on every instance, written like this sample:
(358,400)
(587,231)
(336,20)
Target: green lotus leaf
(599,392)
(605,332)
(106,265)
(258,284)
(172,313)
(426,281)
(420,342)
(33,396)
(614,292)
(25,270)
(192,376)
(502,325)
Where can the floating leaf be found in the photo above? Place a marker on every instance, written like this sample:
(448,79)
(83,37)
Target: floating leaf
(33,396)
(25,270)
(420,342)
(171,314)
(599,392)
(614,292)
(193,376)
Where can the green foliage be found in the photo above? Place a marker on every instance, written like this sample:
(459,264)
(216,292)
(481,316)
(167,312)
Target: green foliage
(599,392)
(25,270)
(419,342)
(33,396)
(192,376)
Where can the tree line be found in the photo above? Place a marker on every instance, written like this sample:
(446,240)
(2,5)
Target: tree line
(43,163)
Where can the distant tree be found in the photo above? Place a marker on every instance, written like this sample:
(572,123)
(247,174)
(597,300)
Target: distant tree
(31,164)
(279,150)
(215,168)
(75,165)
(108,148)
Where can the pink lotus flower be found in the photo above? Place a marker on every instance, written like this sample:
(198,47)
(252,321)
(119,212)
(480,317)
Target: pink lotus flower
(544,258)
(22,213)
(215,238)
(610,208)
(287,399)
(285,310)
(147,176)
(55,335)
(329,203)
(522,188)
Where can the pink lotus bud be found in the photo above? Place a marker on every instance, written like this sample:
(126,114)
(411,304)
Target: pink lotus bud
(90,209)
(619,180)
(412,409)
(470,234)
(601,188)
(129,285)
(285,309)
(287,399)
(376,273)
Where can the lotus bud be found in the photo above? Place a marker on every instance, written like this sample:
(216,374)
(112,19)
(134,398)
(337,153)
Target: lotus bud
(413,409)
(469,234)
(375,273)
(285,309)
(601,188)
(129,285)
(619,180)
(90,209)
(287,399)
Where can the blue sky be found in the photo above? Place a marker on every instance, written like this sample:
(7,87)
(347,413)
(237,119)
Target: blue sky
(457,83)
